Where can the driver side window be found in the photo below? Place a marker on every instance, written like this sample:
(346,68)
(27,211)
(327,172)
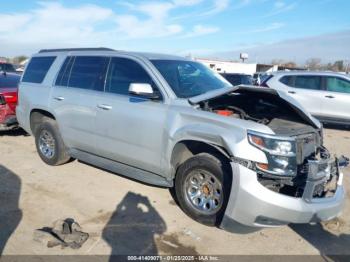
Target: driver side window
(122,72)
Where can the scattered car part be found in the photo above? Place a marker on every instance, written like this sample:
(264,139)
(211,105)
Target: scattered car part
(64,233)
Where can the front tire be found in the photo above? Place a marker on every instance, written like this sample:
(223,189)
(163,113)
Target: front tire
(49,143)
(202,187)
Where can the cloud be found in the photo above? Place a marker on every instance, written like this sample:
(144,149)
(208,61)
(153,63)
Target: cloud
(280,7)
(158,22)
(334,47)
(261,29)
(52,24)
(200,30)
(218,7)
(271,27)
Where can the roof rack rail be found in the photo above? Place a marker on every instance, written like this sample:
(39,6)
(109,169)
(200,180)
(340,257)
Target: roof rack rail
(76,49)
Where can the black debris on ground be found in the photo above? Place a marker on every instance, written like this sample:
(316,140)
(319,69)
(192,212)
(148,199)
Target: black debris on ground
(64,233)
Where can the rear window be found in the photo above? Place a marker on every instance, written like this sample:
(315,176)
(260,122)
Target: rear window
(37,69)
(9,81)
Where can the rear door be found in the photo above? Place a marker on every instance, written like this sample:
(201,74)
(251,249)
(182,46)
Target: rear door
(336,100)
(307,90)
(78,85)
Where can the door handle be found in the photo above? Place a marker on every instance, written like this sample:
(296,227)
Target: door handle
(104,107)
(291,92)
(59,98)
(330,96)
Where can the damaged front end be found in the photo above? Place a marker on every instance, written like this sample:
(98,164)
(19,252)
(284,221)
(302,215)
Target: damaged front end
(311,176)
(294,185)
(297,166)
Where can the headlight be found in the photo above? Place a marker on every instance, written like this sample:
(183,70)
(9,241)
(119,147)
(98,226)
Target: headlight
(280,153)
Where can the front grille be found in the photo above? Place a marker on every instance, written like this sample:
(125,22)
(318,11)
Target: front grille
(306,146)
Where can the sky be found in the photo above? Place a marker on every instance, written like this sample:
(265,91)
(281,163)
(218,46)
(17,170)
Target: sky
(266,29)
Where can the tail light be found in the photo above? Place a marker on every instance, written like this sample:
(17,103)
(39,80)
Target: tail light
(11,98)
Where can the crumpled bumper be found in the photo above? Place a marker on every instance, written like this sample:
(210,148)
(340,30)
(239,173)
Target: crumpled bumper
(253,205)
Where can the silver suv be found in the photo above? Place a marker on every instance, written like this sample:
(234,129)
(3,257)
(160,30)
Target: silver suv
(233,156)
(325,95)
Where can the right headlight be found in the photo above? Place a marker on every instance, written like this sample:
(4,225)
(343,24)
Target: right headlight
(280,153)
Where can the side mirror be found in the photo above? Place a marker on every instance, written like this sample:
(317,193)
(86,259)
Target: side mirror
(143,90)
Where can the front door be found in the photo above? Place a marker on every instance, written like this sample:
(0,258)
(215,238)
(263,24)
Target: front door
(336,100)
(307,90)
(130,129)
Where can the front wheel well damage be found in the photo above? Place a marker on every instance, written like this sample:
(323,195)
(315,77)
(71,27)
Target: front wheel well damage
(36,118)
(188,148)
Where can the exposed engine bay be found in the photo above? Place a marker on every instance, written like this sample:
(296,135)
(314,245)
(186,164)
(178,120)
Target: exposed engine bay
(264,108)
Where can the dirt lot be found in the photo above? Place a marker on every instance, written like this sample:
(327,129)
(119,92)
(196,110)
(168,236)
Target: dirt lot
(126,217)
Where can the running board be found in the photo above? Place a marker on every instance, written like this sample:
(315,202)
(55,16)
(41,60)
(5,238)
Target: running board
(120,169)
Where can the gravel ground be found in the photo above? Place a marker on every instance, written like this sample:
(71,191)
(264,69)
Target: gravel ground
(126,217)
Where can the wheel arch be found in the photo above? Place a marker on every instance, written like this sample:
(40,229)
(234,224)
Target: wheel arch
(185,149)
(37,116)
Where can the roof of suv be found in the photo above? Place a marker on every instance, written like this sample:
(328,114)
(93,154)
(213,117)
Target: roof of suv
(149,56)
(320,73)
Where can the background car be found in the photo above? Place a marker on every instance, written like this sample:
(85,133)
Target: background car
(7,67)
(260,77)
(238,79)
(325,95)
(8,100)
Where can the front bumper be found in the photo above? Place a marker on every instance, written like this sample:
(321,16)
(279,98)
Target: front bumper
(251,204)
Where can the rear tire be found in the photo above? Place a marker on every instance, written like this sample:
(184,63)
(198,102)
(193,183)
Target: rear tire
(202,187)
(49,143)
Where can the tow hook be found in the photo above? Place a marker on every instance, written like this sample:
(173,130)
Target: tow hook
(343,162)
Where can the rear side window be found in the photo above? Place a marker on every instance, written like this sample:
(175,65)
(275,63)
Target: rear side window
(88,72)
(308,82)
(37,69)
(8,81)
(336,84)
(122,72)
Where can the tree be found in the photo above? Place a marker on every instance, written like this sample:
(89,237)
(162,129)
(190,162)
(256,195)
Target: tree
(339,66)
(313,63)
(289,64)
(277,61)
(19,59)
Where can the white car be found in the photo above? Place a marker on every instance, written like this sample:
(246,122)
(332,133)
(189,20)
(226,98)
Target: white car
(325,95)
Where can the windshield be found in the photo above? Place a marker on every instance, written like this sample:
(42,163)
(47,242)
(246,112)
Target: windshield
(188,79)
(7,68)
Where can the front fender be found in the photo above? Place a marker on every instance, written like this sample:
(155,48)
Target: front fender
(233,140)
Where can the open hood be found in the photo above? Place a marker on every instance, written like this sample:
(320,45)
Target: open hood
(212,94)
(256,90)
